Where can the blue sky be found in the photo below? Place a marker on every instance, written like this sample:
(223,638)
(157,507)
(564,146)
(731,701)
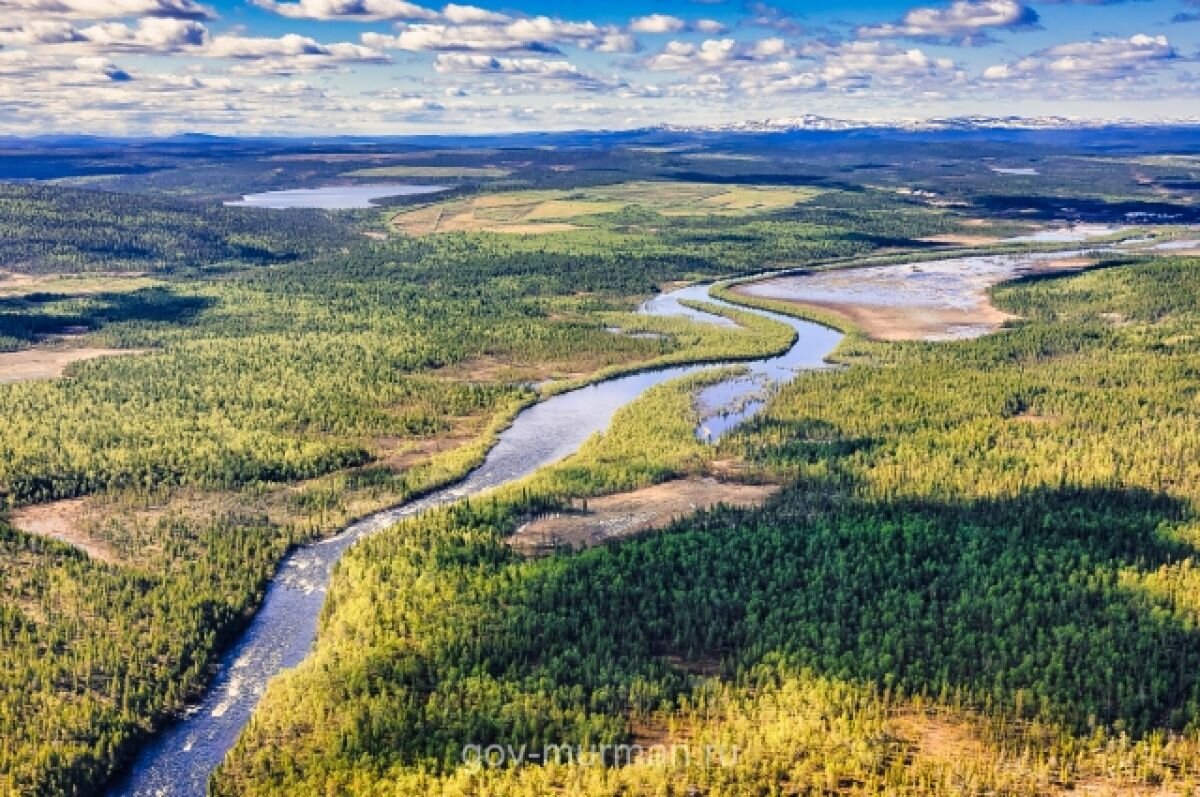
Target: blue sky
(404,66)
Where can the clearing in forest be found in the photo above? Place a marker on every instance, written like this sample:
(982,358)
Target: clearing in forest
(623,514)
(15,285)
(29,364)
(532,212)
(63,521)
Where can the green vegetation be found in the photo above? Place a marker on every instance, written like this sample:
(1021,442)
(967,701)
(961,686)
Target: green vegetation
(277,403)
(997,532)
(990,540)
(638,210)
(59,230)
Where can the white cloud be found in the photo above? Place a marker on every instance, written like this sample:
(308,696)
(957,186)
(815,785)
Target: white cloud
(528,34)
(963,20)
(414,104)
(533,75)
(614,42)
(283,55)
(364,10)
(102,67)
(40,31)
(709,26)
(1107,59)
(461,62)
(152,34)
(30,74)
(666,23)
(861,64)
(393,103)
(657,23)
(846,68)
(714,53)
(472,15)
(108,9)
(765,15)
(290,45)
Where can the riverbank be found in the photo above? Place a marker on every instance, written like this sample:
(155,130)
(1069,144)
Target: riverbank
(937,300)
(280,634)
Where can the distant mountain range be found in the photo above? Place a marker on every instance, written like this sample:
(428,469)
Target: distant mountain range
(823,123)
(1095,133)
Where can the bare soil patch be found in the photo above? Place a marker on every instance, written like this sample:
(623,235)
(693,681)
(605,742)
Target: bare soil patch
(937,737)
(402,453)
(63,521)
(1035,419)
(22,366)
(624,514)
(1064,264)
(126,529)
(488,368)
(1114,787)
(532,229)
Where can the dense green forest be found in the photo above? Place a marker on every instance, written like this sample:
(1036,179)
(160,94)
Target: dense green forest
(273,403)
(295,373)
(993,538)
(62,230)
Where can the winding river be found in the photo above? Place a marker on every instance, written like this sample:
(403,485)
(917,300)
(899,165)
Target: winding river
(179,760)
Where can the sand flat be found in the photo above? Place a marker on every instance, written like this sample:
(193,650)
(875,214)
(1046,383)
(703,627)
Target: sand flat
(929,300)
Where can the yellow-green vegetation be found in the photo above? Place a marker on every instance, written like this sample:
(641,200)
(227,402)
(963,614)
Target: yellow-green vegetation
(980,579)
(59,230)
(276,405)
(555,211)
(650,440)
(444,172)
(686,341)
(14,286)
(871,630)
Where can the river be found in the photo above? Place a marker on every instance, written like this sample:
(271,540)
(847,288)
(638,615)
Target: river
(179,760)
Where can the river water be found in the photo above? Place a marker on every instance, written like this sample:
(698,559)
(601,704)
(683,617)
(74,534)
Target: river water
(178,761)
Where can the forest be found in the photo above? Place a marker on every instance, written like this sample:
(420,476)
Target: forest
(62,230)
(273,402)
(997,536)
(989,538)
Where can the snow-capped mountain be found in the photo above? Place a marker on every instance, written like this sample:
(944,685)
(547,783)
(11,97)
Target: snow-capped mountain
(815,122)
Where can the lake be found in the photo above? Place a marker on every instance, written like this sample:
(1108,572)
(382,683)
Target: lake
(332,197)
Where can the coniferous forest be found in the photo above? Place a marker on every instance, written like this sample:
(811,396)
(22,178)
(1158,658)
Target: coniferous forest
(976,573)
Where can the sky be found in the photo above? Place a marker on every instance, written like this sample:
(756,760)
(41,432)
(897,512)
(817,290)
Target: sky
(331,67)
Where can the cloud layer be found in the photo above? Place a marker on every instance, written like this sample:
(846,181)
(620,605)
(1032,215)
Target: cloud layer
(965,21)
(391,65)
